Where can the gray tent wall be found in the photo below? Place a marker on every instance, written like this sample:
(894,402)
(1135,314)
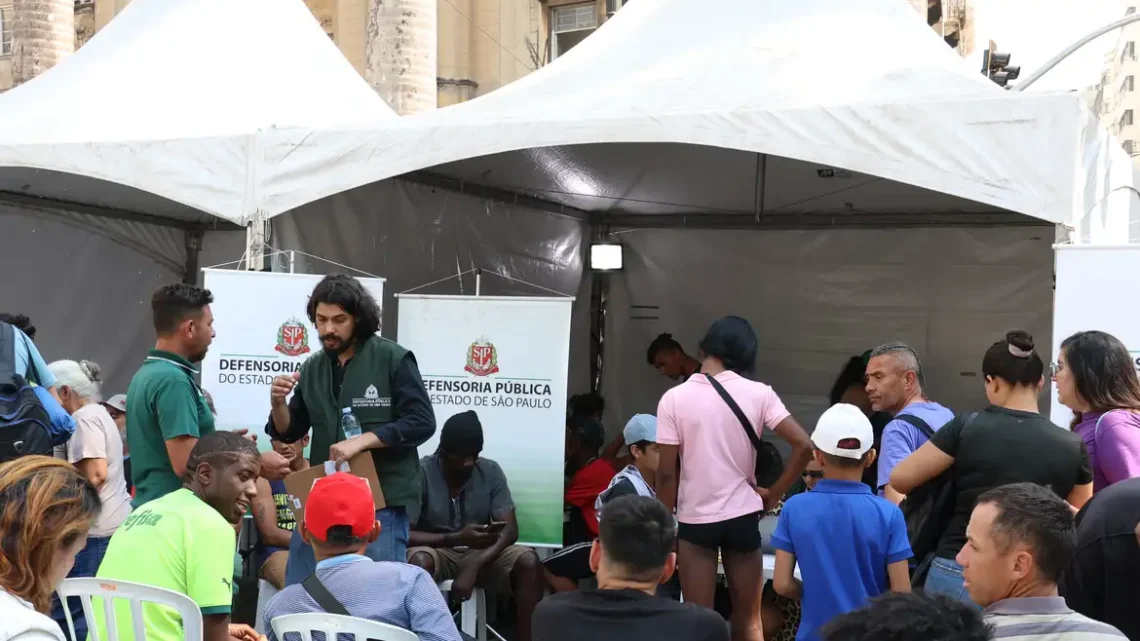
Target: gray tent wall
(816,294)
(816,297)
(85,280)
(413,233)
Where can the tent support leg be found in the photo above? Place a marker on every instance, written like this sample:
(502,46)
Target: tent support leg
(761,187)
(256,237)
(193,247)
(599,295)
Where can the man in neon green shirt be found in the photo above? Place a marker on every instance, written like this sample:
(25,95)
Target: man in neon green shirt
(185,542)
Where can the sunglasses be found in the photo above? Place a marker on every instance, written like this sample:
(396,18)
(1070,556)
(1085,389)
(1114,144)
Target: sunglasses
(814,474)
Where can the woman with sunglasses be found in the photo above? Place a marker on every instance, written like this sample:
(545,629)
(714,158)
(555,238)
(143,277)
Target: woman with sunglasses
(1096,378)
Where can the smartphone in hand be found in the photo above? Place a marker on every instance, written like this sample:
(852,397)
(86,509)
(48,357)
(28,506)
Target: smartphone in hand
(496,526)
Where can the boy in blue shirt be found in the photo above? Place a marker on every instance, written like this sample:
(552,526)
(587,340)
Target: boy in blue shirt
(850,544)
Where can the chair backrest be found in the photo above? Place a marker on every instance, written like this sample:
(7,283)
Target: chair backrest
(135,594)
(333,624)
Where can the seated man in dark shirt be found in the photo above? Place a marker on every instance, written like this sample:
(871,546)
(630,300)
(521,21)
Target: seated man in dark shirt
(633,555)
(467,529)
(1104,577)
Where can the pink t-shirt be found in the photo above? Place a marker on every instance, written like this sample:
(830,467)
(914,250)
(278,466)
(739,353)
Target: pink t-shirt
(718,461)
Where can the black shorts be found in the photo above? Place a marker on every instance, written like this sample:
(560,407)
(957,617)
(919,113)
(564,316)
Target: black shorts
(571,562)
(741,534)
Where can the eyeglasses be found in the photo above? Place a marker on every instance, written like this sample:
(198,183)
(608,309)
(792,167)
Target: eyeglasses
(1055,369)
(813,474)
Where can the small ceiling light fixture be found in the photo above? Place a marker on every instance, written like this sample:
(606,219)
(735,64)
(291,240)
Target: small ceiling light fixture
(606,257)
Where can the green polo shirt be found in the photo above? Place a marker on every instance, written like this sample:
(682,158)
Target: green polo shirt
(163,402)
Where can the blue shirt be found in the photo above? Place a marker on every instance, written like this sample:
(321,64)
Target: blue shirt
(843,537)
(28,357)
(901,439)
(394,593)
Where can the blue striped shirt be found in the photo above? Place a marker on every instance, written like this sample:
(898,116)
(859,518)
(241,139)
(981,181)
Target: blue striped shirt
(1045,619)
(394,593)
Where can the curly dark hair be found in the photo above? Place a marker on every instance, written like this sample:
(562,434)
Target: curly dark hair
(350,295)
(20,322)
(909,617)
(662,342)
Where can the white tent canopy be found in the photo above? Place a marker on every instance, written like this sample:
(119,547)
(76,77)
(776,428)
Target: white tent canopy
(161,112)
(776,92)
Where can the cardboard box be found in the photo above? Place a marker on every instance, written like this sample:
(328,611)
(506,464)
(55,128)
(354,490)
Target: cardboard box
(299,484)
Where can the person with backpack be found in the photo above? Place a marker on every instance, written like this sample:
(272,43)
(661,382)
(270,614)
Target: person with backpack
(32,421)
(1008,442)
(711,422)
(895,386)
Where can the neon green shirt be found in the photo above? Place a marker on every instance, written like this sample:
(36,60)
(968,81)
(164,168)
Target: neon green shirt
(179,543)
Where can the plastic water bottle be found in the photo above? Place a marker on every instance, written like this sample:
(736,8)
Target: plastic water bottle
(348,423)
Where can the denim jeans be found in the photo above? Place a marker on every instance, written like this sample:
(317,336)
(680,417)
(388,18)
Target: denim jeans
(391,546)
(945,578)
(86,565)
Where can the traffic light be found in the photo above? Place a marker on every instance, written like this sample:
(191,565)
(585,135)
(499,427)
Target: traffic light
(996,67)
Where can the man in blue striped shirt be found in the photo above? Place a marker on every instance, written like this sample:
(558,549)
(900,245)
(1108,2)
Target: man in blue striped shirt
(1019,540)
(340,522)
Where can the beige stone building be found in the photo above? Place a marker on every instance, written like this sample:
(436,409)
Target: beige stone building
(1114,99)
(481,44)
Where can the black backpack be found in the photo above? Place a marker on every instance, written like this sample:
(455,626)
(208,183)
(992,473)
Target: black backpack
(24,423)
(928,509)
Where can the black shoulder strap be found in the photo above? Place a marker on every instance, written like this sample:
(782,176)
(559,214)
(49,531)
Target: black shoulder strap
(322,596)
(748,429)
(922,425)
(7,352)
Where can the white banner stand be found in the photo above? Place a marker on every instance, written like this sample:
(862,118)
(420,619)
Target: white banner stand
(262,332)
(506,358)
(1098,287)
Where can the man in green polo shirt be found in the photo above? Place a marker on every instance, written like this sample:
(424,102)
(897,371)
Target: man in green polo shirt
(167,411)
(185,542)
(378,382)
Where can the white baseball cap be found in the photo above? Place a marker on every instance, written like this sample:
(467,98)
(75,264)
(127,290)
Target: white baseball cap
(118,401)
(843,430)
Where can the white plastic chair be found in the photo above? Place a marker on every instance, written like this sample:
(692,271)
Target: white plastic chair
(265,594)
(473,612)
(333,624)
(136,594)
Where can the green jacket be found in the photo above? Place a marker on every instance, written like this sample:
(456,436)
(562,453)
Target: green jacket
(367,389)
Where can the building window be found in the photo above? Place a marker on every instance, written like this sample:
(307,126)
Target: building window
(612,6)
(6,31)
(1128,146)
(1129,83)
(1129,52)
(1126,119)
(1129,11)
(570,25)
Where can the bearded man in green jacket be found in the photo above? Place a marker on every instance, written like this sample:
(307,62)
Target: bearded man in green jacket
(379,383)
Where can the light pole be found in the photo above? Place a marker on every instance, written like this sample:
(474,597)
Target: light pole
(1036,75)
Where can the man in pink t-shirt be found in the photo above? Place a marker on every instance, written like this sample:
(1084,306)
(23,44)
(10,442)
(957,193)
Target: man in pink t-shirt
(718,504)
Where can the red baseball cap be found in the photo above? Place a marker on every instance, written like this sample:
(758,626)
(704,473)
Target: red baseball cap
(340,499)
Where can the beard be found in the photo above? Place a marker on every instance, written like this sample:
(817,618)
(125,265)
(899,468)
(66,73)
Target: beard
(198,357)
(339,347)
